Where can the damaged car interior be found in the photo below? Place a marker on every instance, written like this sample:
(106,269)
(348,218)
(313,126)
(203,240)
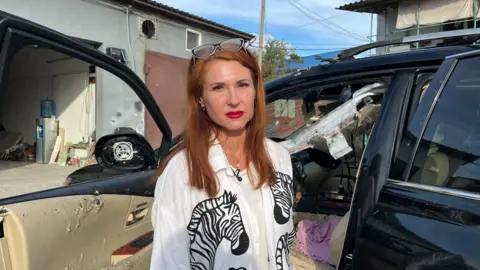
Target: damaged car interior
(332,118)
(326,129)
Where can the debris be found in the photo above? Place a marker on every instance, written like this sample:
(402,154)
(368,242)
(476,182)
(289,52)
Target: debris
(326,134)
(18,152)
(9,140)
(338,145)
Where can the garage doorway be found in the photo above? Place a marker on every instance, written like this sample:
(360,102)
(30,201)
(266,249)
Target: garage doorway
(166,78)
(29,140)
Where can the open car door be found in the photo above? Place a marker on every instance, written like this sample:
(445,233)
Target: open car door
(97,223)
(417,199)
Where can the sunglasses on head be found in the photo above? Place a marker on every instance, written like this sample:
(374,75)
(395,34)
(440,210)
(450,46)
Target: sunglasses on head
(234,44)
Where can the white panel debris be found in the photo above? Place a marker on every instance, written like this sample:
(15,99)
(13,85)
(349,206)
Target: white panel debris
(327,133)
(338,145)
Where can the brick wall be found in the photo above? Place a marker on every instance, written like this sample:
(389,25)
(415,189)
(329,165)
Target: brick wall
(287,124)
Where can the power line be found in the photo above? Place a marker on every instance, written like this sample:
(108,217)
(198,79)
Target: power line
(318,49)
(333,24)
(312,17)
(323,23)
(320,44)
(306,49)
(326,19)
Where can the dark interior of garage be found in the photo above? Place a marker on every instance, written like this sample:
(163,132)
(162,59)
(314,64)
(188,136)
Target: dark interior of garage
(47,117)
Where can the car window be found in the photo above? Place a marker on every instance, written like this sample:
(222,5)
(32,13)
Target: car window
(449,150)
(415,115)
(284,117)
(53,110)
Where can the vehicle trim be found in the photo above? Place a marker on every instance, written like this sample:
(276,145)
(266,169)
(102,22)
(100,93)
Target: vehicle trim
(441,35)
(351,52)
(132,184)
(437,189)
(464,55)
(380,75)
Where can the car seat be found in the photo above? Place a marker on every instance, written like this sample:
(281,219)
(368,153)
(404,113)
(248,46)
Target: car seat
(434,171)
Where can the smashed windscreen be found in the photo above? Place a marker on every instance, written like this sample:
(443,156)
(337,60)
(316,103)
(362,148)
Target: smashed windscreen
(322,121)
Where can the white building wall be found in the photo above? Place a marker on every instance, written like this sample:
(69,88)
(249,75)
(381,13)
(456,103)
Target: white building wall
(117,104)
(386,28)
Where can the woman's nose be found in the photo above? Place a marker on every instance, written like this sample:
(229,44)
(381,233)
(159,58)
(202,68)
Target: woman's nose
(233,99)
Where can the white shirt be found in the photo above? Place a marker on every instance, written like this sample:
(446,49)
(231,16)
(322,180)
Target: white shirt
(254,198)
(192,231)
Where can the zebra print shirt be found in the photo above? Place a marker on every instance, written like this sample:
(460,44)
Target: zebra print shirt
(193,231)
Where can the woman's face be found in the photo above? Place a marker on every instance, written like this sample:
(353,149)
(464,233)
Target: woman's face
(228,94)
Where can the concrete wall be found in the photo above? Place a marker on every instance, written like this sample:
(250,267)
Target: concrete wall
(106,23)
(34,76)
(386,22)
(386,29)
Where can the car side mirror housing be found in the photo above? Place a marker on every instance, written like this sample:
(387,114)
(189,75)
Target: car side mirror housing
(126,151)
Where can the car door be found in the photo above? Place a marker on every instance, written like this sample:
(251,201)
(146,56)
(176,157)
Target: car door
(417,202)
(97,224)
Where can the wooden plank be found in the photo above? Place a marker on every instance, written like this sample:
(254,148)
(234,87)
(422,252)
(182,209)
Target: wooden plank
(61,133)
(56,150)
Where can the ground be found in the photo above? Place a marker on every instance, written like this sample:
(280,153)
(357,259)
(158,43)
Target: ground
(18,178)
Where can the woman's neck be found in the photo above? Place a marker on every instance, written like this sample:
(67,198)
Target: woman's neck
(233,145)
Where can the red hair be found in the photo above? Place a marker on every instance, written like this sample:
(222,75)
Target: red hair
(199,127)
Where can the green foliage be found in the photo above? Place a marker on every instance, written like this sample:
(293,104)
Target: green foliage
(276,56)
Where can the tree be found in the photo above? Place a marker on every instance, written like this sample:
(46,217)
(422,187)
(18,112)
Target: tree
(276,57)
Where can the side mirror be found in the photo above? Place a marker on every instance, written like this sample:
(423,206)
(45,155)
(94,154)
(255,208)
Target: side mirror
(124,151)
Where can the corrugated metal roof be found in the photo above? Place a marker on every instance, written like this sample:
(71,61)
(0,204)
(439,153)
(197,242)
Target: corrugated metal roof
(369,6)
(182,15)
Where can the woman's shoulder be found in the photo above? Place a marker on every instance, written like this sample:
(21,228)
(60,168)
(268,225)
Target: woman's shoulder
(176,167)
(277,151)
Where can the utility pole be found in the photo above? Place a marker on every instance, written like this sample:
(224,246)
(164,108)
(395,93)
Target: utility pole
(262,23)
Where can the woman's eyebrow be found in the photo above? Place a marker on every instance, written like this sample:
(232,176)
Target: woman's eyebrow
(244,80)
(216,83)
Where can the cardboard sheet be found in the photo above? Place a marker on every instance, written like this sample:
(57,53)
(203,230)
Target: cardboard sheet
(433,12)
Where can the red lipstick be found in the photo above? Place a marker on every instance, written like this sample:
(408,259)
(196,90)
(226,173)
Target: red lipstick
(235,114)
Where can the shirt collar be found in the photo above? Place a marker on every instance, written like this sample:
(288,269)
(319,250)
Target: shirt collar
(217,157)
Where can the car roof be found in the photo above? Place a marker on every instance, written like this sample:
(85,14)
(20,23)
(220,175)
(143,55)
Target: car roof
(417,58)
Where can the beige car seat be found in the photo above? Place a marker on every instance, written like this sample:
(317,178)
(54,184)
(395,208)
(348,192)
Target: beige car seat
(435,169)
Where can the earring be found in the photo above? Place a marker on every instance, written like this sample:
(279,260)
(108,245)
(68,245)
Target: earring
(203,108)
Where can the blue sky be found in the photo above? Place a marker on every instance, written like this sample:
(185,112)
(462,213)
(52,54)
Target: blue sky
(284,21)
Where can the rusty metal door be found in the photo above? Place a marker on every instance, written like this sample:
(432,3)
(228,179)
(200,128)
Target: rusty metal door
(166,78)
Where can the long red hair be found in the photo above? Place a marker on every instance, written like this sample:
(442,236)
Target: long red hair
(197,137)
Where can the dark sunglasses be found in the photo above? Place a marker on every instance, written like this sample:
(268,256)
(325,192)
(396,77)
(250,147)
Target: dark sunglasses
(234,44)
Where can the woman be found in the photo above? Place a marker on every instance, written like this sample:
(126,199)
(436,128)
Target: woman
(224,196)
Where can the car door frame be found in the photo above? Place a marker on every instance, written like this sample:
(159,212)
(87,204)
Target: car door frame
(15,33)
(375,161)
(374,174)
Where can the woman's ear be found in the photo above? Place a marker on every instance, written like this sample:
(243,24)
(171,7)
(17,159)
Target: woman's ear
(202,105)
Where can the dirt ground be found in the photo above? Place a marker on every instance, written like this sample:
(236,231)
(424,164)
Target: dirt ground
(18,178)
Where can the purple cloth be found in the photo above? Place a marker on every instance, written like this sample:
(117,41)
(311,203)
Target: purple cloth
(313,238)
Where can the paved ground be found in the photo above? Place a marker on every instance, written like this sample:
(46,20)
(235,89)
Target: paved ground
(18,178)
